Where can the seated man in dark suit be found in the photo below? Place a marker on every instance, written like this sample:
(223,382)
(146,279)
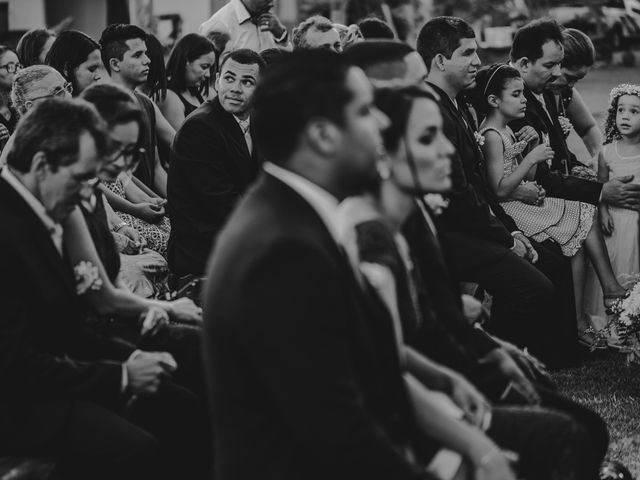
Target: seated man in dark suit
(66,390)
(214,158)
(537,53)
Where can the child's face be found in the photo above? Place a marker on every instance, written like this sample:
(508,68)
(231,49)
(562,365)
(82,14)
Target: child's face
(628,115)
(512,102)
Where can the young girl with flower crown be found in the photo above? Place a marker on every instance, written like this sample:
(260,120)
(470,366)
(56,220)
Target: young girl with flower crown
(619,157)
(499,94)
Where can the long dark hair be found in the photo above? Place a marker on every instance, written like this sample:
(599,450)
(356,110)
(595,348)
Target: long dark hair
(157,77)
(70,49)
(189,48)
(31,44)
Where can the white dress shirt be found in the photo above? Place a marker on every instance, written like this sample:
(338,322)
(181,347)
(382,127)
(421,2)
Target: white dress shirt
(235,20)
(54,229)
(245,126)
(325,204)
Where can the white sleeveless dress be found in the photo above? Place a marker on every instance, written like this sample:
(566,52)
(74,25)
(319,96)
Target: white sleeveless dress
(566,222)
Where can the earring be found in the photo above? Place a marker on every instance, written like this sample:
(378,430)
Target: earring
(384,172)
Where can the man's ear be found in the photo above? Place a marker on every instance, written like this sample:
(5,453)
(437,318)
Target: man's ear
(39,165)
(114,64)
(523,64)
(216,84)
(438,62)
(322,136)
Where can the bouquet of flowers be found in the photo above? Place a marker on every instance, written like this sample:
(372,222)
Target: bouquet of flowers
(625,322)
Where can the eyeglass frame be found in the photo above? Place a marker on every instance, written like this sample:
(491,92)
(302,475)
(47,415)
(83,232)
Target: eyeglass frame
(8,67)
(66,88)
(135,153)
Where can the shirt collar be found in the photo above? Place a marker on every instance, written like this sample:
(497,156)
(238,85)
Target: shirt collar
(325,204)
(242,13)
(54,229)
(244,124)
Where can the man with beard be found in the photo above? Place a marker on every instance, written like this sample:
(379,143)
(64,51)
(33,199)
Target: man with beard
(247,24)
(537,53)
(213,160)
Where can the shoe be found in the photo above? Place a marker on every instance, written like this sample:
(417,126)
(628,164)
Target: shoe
(592,341)
(615,343)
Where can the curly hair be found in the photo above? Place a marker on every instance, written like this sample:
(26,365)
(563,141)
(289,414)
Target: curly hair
(611,131)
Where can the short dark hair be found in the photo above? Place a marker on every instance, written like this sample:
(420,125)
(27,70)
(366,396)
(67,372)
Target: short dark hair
(377,53)
(578,49)
(114,104)
(113,41)
(317,22)
(530,38)
(244,56)
(397,103)
(374,28)
(54,126)
(31,44)
(189,48)
(442,35)
(272,55)
(70,49)
(302,85)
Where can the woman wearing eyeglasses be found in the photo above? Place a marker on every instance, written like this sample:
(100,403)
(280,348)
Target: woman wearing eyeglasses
(9,66)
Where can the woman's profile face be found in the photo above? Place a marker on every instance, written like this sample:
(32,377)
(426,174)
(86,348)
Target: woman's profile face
(199,70)
(431,151)
(569,77)
(89,72)
(124,138)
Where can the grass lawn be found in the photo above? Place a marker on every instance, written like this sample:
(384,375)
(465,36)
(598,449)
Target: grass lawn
(606,384)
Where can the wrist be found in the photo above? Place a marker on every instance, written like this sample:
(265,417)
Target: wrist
(119,226)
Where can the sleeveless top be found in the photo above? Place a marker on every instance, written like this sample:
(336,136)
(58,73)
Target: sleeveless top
(188,106)
(566,222)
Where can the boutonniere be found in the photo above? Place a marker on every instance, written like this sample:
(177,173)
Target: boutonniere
(436,202)
(479,138)
(87,277)
(565,124)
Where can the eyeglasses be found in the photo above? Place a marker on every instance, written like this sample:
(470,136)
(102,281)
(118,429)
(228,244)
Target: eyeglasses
(61,91)
(11,67)
(131,156)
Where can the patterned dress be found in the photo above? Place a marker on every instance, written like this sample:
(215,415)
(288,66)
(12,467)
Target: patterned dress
(566,222)
(156,234)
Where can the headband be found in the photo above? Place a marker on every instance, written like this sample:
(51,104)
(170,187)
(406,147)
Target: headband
(491,77)
(624,89)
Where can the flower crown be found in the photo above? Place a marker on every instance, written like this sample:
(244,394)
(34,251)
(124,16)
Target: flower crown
(624,89)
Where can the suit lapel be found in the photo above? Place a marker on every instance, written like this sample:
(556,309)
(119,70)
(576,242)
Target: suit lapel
(446,102)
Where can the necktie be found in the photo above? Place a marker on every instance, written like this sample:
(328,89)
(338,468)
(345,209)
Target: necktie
(245,127)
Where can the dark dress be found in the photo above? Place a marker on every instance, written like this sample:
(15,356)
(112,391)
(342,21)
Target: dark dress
(188,106)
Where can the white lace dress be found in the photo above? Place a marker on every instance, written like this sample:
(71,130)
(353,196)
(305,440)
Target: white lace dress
(566,222)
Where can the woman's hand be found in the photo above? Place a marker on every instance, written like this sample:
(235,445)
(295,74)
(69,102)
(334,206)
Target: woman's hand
(494,465)
(184,310)
(474,405)
(148,211)
(541,153)
(606,221)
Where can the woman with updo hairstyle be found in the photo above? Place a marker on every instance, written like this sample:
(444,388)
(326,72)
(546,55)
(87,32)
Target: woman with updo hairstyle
(188,74)
(34,45)
(77,57)
(579,58)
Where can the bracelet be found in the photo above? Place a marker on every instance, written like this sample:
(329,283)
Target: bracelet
(119,226)
(486,458)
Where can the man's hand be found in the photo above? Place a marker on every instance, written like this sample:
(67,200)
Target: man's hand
(474,405)
(471,307)
(528,134)
(494,466)
(269,22)
(148,370)
(528,192)
(149,212)
(618,192)
(531,253)
(519,248)
(509,368)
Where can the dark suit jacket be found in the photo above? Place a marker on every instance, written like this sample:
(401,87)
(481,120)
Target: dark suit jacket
(555,179)
(210,170)
(468,217)
(303,371)
(46,356)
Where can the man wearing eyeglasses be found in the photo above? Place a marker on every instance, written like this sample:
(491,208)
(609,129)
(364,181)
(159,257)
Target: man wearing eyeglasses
(64,389)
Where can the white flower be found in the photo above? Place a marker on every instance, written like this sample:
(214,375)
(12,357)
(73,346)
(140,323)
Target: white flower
(87,277)
(479,138)
(566,125)
(437,203)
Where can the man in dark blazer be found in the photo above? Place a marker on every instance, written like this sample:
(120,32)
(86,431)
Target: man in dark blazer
(214,158)
(65,388)
(530,283)
(302,366)
(537,53)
